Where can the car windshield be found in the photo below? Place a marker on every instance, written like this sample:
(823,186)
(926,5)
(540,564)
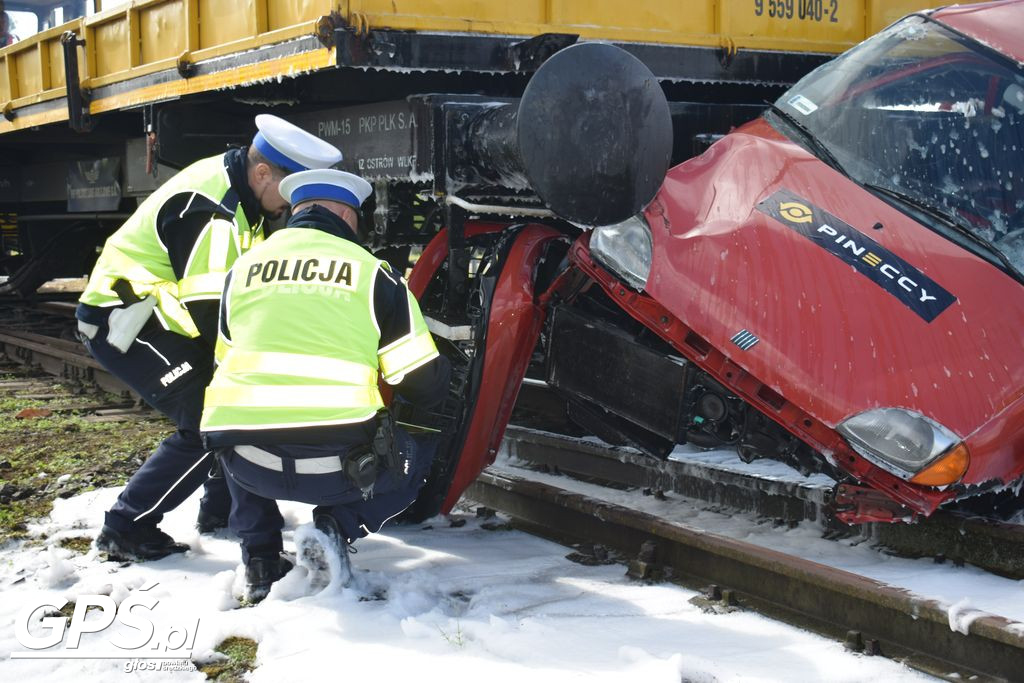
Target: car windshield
(931,120)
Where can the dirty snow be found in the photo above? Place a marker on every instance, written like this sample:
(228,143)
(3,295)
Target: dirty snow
(965,590)
(432,602)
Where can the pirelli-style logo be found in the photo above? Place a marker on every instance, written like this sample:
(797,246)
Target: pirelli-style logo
(795,212)
(916,290)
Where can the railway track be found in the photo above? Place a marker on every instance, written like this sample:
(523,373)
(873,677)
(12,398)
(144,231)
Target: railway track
(869,616)
(952,537)
(41,335)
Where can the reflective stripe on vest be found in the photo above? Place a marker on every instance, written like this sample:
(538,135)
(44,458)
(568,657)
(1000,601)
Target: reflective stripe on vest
(220,243)
(405,355)
(205,286)
(221,348)
(292,396)
(213,253)
(298,365)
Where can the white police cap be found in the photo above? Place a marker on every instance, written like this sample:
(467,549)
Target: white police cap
(290,147)
(325,183)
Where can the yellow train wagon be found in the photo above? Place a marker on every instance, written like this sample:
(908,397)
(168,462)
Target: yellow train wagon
(108,99)
(147,51)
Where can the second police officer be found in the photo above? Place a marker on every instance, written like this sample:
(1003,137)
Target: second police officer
(148,315)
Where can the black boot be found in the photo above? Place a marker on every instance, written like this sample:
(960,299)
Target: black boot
(318,558)
(215,505)
(208,521)
(261,571)
(143,542)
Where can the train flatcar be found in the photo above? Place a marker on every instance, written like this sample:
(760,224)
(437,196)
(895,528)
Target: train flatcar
(96,111)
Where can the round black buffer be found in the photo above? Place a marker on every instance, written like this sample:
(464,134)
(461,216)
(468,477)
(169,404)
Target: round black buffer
(594,134)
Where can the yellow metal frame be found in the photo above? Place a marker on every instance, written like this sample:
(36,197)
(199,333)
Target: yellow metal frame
(148,36)
(250,73)
(145,36)
(710,23)
(32,70)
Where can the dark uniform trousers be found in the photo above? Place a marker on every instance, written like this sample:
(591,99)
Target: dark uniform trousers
(171,373)
(255,489)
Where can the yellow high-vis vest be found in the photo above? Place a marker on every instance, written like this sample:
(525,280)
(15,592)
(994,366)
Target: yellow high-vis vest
(303,348)
(136,254)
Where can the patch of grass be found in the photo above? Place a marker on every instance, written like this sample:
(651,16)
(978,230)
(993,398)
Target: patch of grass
(35,452)
(79,544)
(14,515)
(13,405)
(241,653)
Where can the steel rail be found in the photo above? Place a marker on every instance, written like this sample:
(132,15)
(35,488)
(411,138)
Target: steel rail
(945,536)
(869,615)
(59,357)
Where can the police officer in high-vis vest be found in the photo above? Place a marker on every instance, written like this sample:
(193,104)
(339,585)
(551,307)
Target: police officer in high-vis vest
(149,316)
(309,322)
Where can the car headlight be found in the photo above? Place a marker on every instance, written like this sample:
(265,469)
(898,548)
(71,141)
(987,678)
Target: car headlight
(625,249)
(905,443)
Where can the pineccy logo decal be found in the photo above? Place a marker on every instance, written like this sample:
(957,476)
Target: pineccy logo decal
(913,288)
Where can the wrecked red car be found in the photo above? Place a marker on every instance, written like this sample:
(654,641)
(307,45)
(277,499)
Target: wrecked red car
(853,261)
(836,284)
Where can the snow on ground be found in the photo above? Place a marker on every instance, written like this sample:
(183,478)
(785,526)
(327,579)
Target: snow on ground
(460,603)
(965,590)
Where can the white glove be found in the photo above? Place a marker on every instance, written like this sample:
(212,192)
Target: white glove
(126,323)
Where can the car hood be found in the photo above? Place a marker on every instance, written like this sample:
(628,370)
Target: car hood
(871,310)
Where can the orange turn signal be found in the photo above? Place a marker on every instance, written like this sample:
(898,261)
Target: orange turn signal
(948,469)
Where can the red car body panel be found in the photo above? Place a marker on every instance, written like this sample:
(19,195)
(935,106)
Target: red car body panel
(512,331)
(996,24)
(861,504)
(832,341)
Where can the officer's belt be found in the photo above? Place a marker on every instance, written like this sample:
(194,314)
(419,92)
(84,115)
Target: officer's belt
(325,465)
